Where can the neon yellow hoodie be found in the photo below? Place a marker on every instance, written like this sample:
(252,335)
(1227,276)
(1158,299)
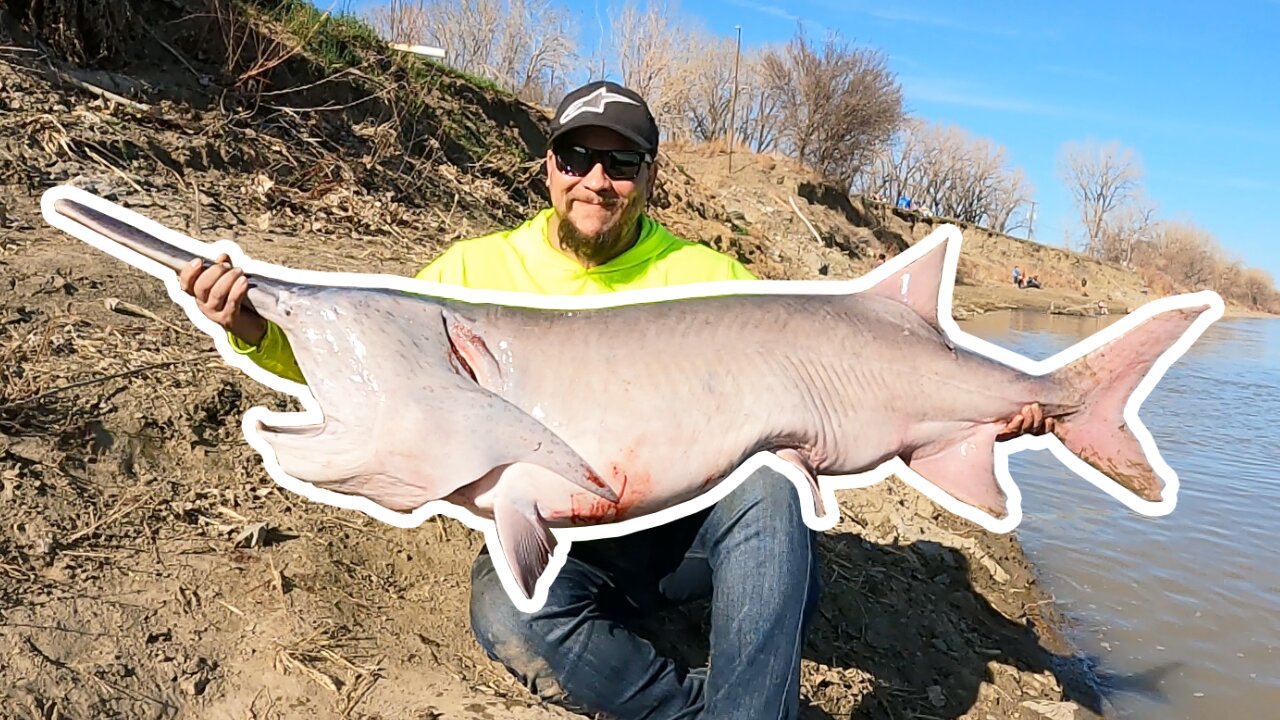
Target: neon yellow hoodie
(522,259)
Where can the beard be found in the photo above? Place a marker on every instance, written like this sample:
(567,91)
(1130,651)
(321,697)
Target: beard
(610,241)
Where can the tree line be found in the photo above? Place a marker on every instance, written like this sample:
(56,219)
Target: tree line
(1120,224)
(829,103)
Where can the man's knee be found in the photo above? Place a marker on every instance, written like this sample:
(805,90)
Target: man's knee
(767,507)
(768,493)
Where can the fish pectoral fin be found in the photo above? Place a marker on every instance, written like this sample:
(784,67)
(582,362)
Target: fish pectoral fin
(525,540)
(795,458)
(511,435)
(963,466)
(516,435)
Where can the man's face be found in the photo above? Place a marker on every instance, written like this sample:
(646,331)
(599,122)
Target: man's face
(595,208)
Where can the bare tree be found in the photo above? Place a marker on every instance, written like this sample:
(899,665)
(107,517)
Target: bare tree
(1101,179)
(1228,280)
(524,46)
(708,78)
(1258,289)
(837,104)
(399,21)
(649,48)
(661,54)
(1126,227)
(759,116)
(538,44)
(949,172)
(1006,209)
(1186,253)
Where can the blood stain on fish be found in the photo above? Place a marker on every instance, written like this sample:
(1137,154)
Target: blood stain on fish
(633,488)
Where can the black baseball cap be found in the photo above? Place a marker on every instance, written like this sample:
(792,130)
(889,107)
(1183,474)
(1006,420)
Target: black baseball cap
(606,104)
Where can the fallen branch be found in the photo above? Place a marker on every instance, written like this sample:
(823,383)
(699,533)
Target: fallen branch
(98,159)
(805,220)
(102,379)
(105,94)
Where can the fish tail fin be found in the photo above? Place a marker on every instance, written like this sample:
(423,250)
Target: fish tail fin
(1128,361)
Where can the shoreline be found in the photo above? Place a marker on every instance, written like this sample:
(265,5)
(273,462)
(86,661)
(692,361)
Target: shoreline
(970,300)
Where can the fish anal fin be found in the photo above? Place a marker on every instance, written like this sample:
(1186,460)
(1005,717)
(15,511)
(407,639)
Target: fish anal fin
(796,458)
(525,540)
(963,466)
(918,284)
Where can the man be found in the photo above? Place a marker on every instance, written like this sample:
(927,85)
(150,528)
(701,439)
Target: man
(751,553)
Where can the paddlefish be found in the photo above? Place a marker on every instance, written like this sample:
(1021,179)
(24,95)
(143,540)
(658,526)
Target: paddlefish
(540,420)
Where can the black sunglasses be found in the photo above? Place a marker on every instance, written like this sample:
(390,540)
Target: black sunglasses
(618,164)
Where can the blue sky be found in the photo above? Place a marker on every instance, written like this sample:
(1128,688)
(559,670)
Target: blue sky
(1193,88)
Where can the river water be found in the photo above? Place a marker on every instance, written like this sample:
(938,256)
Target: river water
(1181,612)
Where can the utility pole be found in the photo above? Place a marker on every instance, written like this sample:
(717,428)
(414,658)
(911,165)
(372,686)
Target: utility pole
(733,104)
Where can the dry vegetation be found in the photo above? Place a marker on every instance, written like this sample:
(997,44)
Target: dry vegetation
(947,171)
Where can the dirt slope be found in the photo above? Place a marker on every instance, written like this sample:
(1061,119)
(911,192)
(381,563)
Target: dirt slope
(149,568)
(793,226)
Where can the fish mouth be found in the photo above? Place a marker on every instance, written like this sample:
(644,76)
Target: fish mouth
(293,430)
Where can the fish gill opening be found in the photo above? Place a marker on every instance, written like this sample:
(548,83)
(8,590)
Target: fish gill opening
(456,360)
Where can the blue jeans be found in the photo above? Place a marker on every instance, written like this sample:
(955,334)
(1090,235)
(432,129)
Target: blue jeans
(750,553)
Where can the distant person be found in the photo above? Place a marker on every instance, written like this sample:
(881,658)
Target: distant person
(1017,276)
(904,202)
(1033,281)
(751,553)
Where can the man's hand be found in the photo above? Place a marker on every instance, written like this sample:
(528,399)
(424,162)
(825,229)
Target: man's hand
(1030,420)
(219,291)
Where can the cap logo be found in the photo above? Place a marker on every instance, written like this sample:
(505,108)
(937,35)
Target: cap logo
(595,102)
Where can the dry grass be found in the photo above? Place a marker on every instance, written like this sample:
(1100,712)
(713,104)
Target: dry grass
(322,657)
(43,364)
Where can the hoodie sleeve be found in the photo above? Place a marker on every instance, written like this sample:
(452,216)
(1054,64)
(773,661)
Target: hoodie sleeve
(273,353)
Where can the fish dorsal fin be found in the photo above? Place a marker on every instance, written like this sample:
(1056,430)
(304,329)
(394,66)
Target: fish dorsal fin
(917,283)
